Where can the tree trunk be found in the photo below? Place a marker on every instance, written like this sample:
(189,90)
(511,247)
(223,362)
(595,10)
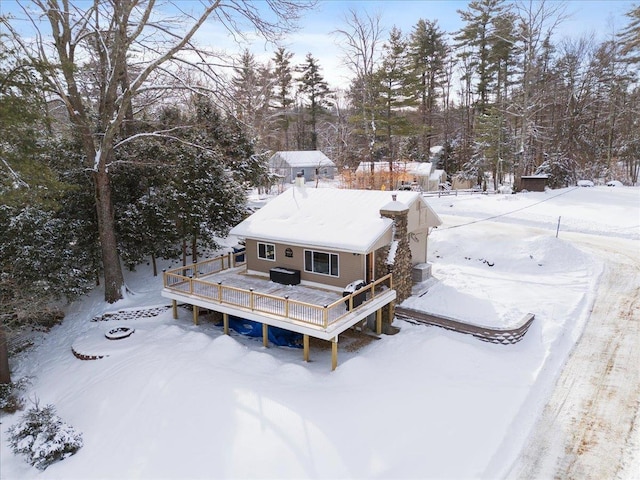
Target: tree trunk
(155,265)
(5,373)
(113,278)
(184,251)
(194,248)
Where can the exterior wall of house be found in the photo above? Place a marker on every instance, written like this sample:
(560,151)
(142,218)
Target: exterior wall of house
(418,245)
(289,173)
(416,217)
(461,184)
(418,230)
(351,266)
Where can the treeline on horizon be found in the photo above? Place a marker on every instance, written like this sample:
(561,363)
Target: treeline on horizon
(499,95)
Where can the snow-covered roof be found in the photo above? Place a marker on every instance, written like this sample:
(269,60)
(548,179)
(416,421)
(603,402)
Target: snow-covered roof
(301,158)
(345,220)
(420,169)
(414,168)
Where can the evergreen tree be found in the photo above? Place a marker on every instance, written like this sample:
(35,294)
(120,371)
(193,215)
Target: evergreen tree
(206,201)
(560,169)
(394,96)
(630,37)
(428,51)
(41,255)
(492,146)
(283,88)
(478,38)
(252,86)
(312,85)
(186,189)
(245,89)
(144,218)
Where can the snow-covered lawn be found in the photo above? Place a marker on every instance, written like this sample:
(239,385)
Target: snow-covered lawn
(182,401)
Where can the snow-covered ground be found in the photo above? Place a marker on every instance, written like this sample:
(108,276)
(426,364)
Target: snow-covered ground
(184,401)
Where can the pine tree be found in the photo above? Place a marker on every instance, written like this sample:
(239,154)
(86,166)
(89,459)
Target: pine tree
(394,96)
(477,36)
(630,37)
(43,438)
(312,85)
(428,51)
(283,88)
(201,175)
(40,256)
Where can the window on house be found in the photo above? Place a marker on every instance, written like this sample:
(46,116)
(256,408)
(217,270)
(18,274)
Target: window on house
(321,262)
(267,251)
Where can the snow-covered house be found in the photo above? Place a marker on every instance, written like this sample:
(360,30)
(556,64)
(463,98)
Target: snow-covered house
(437,179)
(331,235)
(311,164)
(421,172)
(317,261)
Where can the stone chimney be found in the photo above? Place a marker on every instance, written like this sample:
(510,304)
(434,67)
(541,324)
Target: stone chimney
(396,258)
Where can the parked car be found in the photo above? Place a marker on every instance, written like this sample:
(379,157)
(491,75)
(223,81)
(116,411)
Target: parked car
(585,183)
(614,183)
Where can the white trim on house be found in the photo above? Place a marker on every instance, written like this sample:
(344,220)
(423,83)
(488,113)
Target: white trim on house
(267,251)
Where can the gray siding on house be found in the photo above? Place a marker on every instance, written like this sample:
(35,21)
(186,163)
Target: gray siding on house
(351,266)
(312,164)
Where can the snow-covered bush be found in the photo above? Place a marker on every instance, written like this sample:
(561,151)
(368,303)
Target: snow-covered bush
(11,395)
(43,437)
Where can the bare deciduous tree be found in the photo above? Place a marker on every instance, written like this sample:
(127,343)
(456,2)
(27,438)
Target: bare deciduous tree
(361,42)
(100,57)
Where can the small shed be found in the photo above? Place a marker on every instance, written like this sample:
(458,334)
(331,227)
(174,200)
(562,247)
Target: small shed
(311,164)
(533,183)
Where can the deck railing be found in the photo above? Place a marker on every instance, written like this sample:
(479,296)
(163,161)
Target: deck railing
(186,280)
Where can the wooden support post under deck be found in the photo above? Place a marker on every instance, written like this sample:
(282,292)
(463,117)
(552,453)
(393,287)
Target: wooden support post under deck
(196,310)
(174,307)
(265,334)
(392,312)
(334,353)
(305,347)
(225,323)
(379,321)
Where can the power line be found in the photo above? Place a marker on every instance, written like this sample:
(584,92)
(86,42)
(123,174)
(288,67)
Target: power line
(509,213)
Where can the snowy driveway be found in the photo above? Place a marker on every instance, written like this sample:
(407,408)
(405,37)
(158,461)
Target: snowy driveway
(590,427)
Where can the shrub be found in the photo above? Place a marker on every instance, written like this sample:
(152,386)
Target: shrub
(43,437)
(11,395)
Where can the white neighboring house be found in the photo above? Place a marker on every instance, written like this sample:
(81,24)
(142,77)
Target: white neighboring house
(312,164)
(437,179)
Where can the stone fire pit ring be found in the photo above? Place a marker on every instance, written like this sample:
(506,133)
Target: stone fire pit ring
(118,333)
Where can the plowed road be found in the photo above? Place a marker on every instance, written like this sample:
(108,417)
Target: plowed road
(590,429)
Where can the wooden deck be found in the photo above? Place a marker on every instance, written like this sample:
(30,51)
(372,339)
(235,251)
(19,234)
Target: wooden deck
(223,285)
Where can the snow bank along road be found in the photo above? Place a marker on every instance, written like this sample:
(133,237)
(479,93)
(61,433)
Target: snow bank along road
(590,428)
